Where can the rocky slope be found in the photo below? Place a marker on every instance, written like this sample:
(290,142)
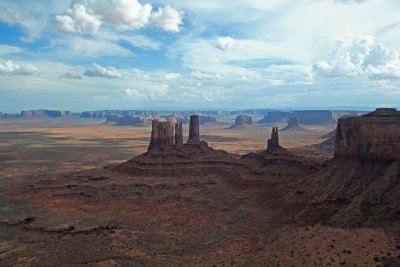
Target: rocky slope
(242,121)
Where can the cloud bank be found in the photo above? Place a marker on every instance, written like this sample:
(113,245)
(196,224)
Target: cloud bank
(9,67)
(360,56)
(86,16)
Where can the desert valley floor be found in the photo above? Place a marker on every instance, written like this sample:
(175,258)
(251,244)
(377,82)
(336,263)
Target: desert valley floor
(70,198)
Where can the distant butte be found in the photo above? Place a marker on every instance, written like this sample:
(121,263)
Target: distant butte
(294,125)
(242,121)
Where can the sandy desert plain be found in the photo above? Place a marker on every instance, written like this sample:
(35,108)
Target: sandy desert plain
(59,207)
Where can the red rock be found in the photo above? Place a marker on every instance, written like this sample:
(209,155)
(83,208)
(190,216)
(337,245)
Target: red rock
(194,130)
(162,134)
(375,136)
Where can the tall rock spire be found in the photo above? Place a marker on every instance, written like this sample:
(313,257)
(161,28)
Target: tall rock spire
(178,134)
(273,143)
(194,130)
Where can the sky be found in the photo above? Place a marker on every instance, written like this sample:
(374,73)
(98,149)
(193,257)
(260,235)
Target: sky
(210,54)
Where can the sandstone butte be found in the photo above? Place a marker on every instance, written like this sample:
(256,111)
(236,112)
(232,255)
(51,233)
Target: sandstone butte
(374,136)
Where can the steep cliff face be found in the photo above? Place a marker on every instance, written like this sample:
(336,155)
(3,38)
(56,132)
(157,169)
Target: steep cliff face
(194,130)
(242,121)
(375,136)
(162,134)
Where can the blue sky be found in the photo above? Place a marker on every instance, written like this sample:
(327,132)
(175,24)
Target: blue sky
(209,54)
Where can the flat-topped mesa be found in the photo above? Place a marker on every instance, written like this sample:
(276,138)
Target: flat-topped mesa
(273,143)
(178,134)
(194,130)
(162,134)
(374,136)
(242,121)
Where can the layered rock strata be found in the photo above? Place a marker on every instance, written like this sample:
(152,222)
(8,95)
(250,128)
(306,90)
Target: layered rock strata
(162,134)
(375,136)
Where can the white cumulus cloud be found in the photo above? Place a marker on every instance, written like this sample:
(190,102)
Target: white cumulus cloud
(78,19)
(148,93)
(9,67)
(123,14)
(168,19)
(102,72)
(227,43)
(358,56)
(86,16)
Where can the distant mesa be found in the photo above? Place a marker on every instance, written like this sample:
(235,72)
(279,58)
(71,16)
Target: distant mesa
(127,120)
(294,125)
(242,121)
(374,136)
(96,114)
(44,113)
(207,119)
(308,117)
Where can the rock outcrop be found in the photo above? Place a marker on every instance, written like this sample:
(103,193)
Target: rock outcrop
(194,130)
(172,119)
(375,136)
(273,143)
(162,134)
(294,125)
(242,121)
(178,134)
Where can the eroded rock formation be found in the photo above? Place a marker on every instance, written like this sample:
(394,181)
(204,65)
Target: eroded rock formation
(178,134)
(375,136)
(294,125)
(273,143)
(242,121)
(162,134)
(194,130)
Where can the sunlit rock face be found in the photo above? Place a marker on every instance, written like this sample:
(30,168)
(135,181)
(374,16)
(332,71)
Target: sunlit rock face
(374,136)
